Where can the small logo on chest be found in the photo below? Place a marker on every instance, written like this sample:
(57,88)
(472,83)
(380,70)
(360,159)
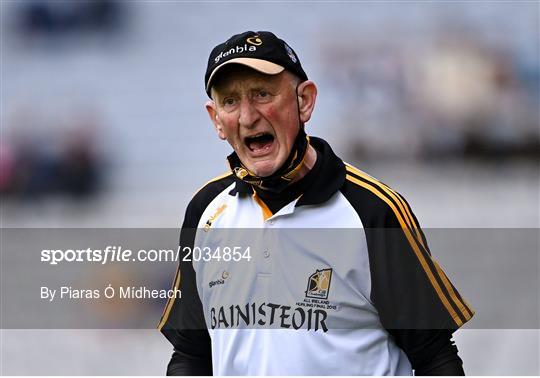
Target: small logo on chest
(220,281)
(212,219)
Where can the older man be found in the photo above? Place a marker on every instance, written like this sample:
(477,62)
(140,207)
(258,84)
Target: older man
(351,290)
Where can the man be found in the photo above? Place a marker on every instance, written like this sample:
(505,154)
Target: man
(338,279)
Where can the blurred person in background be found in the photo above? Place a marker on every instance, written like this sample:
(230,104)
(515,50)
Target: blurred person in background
(402,307)
(61,161)
(63,18)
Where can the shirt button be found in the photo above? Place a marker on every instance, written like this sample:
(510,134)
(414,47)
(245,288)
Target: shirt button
(266,254)
(271,222)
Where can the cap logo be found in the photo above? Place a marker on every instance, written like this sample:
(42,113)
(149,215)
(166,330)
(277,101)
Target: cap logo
(255,40)
(235,50)
(290,53)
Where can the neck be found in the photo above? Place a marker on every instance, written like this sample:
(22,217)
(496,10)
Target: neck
(309,162)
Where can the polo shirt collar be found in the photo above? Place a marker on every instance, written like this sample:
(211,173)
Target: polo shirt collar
(330,178)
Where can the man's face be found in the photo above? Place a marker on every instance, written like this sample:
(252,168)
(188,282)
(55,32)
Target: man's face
(258,115)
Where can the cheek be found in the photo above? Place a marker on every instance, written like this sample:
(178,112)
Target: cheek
(288,122)
(228,126)
(283,115)
(231,135)
(272,112)
(283,119)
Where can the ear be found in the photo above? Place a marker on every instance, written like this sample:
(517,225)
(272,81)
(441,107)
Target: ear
(307,94)
(214,117)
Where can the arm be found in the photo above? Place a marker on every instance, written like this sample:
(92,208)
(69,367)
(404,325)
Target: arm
(192,355)
(416,301)
(183,321)
(445,362)
(431,352)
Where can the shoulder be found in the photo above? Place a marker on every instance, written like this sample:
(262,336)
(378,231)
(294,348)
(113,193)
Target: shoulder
(212,188)
(204,196)
(377,204)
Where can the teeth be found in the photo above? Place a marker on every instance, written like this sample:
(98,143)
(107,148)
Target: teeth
(254,139)
(256,135)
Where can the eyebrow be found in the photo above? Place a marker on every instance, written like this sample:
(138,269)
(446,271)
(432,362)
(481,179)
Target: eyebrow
(223,91)
(259,82)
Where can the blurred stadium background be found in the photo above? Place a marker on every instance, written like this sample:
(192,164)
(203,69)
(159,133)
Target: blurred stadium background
(103,125)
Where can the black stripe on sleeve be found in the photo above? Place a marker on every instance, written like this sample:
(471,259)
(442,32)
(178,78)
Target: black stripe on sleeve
(406,285)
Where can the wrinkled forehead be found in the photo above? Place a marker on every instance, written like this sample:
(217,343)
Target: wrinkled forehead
(236,77)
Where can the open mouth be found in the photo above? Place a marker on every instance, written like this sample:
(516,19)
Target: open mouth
(260,142)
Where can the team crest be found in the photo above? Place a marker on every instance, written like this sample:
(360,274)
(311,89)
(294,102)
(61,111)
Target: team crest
(319,284)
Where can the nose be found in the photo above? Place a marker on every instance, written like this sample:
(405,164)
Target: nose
(248,113)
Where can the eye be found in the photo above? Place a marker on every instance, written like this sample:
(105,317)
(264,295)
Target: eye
(262,95)
(228,101)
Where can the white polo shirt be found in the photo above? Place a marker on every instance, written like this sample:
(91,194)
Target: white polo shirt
(314,289)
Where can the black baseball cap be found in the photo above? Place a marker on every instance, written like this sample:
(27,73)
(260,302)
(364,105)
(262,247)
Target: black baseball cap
(262,51)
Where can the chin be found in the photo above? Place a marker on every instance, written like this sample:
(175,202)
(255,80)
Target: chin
(263,169)
(263,172)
